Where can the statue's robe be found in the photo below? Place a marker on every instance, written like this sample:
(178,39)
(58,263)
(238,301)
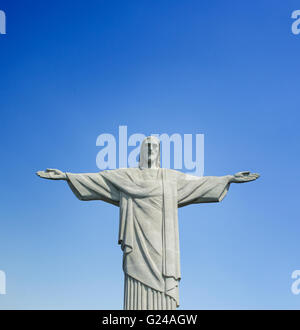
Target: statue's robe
(148,230)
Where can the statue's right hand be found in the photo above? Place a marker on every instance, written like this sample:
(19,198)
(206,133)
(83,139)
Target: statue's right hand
(52,174)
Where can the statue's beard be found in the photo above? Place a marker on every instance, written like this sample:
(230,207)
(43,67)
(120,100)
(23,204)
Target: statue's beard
(151,161)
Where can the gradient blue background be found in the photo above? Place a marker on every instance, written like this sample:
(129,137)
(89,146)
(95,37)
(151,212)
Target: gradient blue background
(71,70)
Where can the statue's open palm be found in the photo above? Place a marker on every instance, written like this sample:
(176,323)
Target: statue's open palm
(52,174)
(246,176)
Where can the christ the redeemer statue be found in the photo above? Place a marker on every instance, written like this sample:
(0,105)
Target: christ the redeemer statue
(148,198)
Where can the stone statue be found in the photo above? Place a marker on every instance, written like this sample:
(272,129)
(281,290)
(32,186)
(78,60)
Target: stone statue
(148,198)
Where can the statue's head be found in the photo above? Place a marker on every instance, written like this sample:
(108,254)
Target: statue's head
(150,153)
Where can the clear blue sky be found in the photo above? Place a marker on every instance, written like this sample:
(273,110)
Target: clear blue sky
(71,70)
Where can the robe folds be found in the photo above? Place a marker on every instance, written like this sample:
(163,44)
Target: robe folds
(148,230)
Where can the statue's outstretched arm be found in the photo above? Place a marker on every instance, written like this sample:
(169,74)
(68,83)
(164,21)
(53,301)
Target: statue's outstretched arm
(86,186)
(193,190)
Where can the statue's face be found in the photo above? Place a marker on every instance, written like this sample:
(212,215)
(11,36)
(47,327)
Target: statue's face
(150,153)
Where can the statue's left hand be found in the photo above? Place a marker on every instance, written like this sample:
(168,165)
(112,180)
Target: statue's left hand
(52,174)
(246,176)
